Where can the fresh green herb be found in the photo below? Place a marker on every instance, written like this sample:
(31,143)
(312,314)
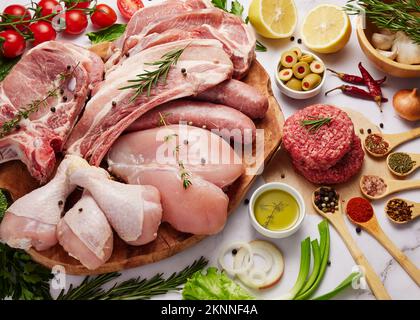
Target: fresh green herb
(260,47)
(236,8)
(162,119)
(133,289)
(107,34)
(343,285)
(185,175)
(150,78)
(314,123)
(169,137)
(399,15)
(276,207)
(321,255)
(213,285)
(6,65)
(34,106)
(4,204)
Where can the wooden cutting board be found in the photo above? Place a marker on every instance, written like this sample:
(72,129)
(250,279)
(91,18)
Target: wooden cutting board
(280,168)
(15,178)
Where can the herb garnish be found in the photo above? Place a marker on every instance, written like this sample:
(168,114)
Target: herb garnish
(314,123)
(34,106)
(185,175)
(275,207)
(107,34)
(133,289)
(148,79)
(6,65)
(260,47)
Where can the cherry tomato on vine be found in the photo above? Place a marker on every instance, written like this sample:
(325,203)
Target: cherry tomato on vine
(42,31)
(19,13)
(12,44)
(48,7)
(129,7)
(103,16)
(79,4)
(76,22)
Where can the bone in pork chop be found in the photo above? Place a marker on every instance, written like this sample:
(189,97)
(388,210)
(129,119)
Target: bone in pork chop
(237,38)
(45,132)
(202,65)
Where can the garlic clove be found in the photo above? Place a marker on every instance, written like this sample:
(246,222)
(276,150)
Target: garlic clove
(388,54)
(382,41)
(408,51)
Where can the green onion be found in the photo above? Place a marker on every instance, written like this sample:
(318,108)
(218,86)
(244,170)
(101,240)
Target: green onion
(344,284)
(317,265)
(305,261)
(319,270)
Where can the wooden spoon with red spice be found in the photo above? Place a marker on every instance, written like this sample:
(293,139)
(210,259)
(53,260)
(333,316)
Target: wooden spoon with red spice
(337,220)
(360,212)
(388,141)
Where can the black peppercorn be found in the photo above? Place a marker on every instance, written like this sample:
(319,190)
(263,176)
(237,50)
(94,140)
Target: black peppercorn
(234,252)
(68,67)
(61,91)
(292,38)
(17,127)
(358,229)
(328,263)
(299,41)
(184,71)
(64,98)
(246,201)
(381,125)
(369,131)
(52,109)
(114,103)
(80,209)
(185,141)
(282,175)
(60,203)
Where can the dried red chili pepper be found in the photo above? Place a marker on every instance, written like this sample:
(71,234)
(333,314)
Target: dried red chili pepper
(359,209)
(350,78)
(355,92)
(374,88)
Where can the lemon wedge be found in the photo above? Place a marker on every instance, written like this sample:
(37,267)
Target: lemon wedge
(273,19)
(326,29)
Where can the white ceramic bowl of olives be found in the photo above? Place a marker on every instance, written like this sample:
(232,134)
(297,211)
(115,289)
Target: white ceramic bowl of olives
(300,74)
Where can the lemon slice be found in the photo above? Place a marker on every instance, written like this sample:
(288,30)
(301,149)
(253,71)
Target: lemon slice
(326,29)
(273,18)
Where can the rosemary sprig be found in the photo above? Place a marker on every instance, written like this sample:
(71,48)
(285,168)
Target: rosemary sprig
(34,106)
(185,175)
(259,47)
(133,289)
(399,15)
(276,207)
(150,78)
(314,123)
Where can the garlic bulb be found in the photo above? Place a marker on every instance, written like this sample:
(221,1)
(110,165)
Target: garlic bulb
(383,41)
(388,54)
(408,51)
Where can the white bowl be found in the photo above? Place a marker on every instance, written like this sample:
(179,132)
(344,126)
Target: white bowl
(277,233)
(299,94)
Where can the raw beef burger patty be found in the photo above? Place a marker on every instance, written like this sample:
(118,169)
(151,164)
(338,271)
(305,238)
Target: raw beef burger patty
(322,149)
(346,168)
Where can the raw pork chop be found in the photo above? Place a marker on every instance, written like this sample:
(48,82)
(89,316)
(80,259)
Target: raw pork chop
(46,131)
(202,153)
(31,220)
(228,122)
(237,39)
(85,233)
(111,110)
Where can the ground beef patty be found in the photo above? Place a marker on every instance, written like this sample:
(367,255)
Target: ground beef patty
(346,168)
(321,149)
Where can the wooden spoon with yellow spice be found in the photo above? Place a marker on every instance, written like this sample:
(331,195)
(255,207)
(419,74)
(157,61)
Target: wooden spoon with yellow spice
(379,144)
(335,217)
(360,212)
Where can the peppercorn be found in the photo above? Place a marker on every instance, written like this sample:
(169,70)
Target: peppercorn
(80,209)
(361,131)
(203,161)
(114,103)
(328,263)
(292,38)
(369,131)
(64,98)
(246,201)
(299,41)
(234,252)
(52,109)
(358,229)
(60,203)
(381,125)
(282,176)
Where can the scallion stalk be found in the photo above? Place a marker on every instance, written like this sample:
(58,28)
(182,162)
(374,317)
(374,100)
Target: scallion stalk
(343,285)
(316,252)
(305,261)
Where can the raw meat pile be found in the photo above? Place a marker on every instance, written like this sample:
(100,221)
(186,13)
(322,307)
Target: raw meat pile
(184,186)
(330,155)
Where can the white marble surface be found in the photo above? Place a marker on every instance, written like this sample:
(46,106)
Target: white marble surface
(397,282)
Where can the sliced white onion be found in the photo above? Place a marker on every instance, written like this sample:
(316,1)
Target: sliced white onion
(246,263)
(259,277)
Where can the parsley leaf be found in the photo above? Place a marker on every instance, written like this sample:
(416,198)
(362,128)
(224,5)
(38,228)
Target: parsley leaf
(221,4)
(107,34)
(237,9)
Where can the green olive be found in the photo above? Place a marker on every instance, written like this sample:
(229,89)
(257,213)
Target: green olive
(308,58)
(297,51)
(294,84)
(311,81)
(317,67)
(301,69)
(288,59)
(285,74)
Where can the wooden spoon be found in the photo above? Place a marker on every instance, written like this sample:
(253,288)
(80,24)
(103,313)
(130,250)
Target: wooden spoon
(394,140)
(414,157)
(392,186)
(373,227)
(414,214)
(336,219)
